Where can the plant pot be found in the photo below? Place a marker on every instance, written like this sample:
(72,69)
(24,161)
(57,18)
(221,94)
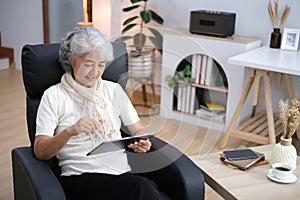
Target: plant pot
(140,62)
(284,152)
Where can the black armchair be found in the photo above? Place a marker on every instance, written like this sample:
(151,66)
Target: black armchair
(175,174)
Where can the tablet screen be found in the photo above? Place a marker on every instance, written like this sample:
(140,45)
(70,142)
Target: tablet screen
(114,145)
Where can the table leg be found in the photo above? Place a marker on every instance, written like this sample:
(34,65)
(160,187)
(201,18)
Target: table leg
(292,96)
(279,80)
(269,107)
(256,84)
(237,111)
(262,98)
(289,86)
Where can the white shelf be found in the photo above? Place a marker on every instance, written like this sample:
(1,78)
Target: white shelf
(214,88)
(180,45)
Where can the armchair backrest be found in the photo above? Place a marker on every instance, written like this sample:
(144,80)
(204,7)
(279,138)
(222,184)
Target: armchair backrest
(41,69)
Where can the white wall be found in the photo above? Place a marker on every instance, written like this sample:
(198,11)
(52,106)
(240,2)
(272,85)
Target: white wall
(21,22)
(252,18)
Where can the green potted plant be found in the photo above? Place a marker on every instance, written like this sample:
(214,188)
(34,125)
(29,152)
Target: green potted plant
(140,54)
(182,78)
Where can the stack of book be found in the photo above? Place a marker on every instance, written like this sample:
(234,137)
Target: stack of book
(205,70)
(213,110)
(186,99)
(242,159)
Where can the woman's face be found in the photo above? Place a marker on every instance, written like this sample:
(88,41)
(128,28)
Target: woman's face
(88,68)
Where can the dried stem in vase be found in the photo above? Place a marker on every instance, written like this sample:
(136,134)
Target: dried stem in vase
(274,14)
(290,116)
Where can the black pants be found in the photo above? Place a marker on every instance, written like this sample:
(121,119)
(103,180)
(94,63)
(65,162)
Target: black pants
(104,186)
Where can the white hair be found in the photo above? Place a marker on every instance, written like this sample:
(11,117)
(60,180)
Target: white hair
(82,40)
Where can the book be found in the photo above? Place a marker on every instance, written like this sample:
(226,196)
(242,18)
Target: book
(183,99)
(208,113)
(217,116)
(193,94)
(188,99)
(211,111)
(246,163)
(239,154)
(213,76)
(203,69)
(195,67)
(179,98)
(209,71)
(214,106)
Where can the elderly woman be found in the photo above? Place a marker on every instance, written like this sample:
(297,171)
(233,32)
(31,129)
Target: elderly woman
(82,111)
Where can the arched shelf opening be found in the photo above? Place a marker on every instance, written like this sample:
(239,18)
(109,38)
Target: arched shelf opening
(210,86)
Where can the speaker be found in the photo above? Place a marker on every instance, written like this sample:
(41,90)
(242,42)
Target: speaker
(213,23)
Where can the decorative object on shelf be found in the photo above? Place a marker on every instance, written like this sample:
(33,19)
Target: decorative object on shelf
(284,151)
(277,22)
(211,22)
(140,54)
(185,92)
(275,38)
(182,78)
(290,40)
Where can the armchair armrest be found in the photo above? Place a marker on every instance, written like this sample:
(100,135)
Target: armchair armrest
(33,179)
(174,173)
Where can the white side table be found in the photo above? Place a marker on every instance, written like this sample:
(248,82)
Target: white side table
(260,62)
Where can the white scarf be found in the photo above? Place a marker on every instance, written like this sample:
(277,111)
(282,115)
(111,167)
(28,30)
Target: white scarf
(92,100)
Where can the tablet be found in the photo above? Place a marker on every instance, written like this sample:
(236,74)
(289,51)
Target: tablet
(114,145)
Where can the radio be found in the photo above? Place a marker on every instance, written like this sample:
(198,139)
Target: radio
(213,23)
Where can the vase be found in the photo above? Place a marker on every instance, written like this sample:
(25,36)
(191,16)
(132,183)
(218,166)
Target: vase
(275,38)
(284,152)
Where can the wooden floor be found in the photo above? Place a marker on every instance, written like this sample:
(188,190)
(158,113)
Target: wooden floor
(12,125)
(190,139)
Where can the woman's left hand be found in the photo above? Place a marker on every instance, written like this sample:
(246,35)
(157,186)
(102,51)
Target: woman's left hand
(141,146)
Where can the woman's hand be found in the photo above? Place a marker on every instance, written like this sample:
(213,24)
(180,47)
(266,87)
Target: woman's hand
(85,125)
(141,146)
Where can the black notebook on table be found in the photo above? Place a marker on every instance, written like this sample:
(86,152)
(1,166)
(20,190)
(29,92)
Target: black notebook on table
(242,158)
(240,154)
